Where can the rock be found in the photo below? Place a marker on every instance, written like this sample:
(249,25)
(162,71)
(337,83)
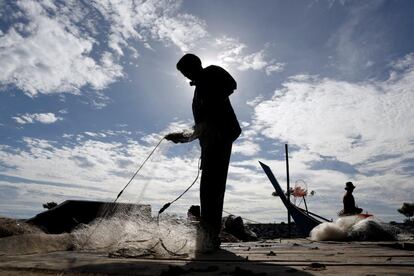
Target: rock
(274,230)
(315,267)
(227,237)
(234,226)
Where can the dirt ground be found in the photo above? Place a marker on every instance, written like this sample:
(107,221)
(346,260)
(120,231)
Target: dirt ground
(26,250)
(271,257)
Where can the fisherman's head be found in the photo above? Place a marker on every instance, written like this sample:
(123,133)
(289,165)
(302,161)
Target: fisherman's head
(190,66)
(349,186)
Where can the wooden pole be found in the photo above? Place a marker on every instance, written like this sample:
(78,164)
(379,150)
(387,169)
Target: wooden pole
(306,205)
(288,188)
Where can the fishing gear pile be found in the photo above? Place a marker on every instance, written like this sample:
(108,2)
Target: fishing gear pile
(128,234)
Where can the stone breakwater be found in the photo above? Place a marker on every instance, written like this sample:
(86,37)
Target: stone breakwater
(274,230)
(280,230)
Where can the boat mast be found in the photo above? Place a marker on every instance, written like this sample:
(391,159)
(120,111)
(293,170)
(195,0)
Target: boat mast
(288,188)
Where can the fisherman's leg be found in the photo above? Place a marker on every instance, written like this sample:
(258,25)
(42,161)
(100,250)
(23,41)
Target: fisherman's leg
(216,157)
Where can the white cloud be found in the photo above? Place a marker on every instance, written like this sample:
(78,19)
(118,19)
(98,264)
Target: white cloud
(278,67)
(353,121)
(347,131)
(246,148)
(405,63)
(44,118)
(59,47)
(100,168)
(96,162)
(184,30)
(95,134)
(232,54)
(47,170)
(50,55)
(361,39)
(56,47)
(150,20)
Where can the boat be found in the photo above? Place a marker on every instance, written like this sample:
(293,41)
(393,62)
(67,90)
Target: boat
(66,216)
(304,219)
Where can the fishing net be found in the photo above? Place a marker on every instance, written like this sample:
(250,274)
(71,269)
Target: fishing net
(356,228)
(129,235)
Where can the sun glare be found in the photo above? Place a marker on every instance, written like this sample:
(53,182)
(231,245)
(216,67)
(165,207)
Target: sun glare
(212,60)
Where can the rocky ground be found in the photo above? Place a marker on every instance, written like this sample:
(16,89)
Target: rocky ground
(280,230)
(274,230)
(260,258)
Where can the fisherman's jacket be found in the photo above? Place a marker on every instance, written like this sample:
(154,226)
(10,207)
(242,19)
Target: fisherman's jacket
(212,107)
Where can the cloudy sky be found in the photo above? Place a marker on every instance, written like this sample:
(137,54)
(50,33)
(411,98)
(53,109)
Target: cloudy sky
(87,88)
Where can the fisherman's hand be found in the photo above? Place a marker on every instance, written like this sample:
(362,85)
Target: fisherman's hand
(199,130)
(176,137)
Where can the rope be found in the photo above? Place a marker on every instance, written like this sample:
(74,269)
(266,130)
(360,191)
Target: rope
(140,167)
(224,211)
(167,205)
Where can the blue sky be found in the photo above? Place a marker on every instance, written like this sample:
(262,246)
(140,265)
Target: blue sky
(88,88)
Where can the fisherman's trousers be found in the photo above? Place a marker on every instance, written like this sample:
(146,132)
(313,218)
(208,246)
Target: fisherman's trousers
(215,158)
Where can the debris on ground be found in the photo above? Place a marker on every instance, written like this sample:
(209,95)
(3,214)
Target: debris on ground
(315,267)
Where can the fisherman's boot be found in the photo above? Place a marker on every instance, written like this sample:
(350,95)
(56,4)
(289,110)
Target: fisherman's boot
(207,240)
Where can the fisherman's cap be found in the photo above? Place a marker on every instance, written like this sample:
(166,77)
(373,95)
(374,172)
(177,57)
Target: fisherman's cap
(349,186)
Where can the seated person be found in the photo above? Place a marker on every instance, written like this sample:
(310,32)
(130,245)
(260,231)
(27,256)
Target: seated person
(349,202)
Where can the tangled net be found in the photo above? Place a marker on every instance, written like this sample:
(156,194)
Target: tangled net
(126,235)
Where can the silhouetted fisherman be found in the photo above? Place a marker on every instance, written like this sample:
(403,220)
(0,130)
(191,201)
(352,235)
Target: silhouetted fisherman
(216,127)
(349,202)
